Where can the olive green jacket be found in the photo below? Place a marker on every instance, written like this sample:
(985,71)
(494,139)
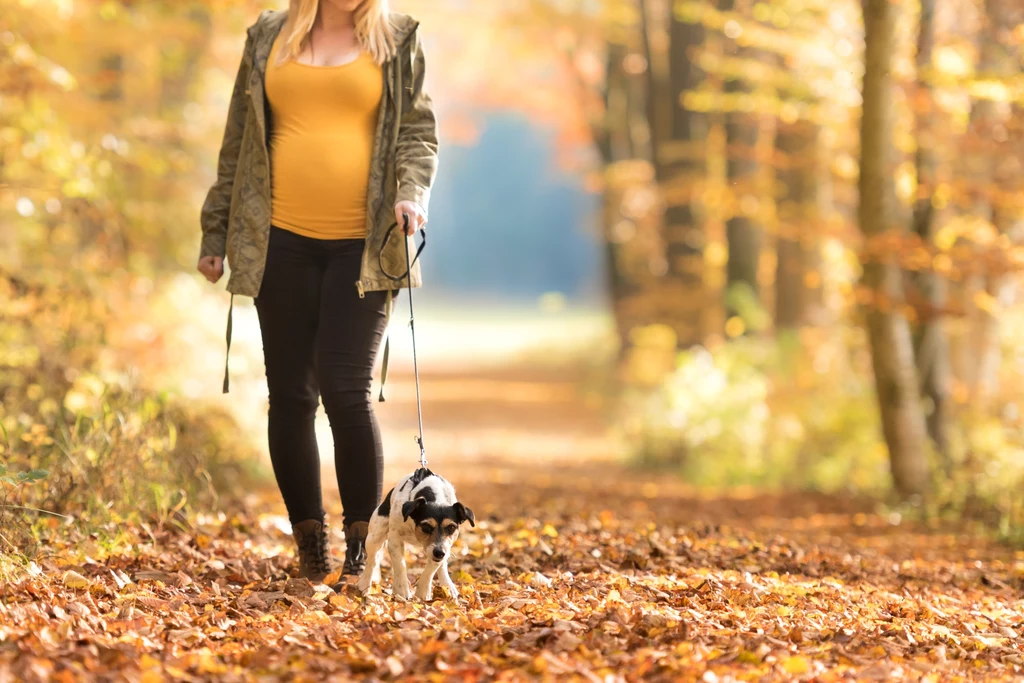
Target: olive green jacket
(236,215)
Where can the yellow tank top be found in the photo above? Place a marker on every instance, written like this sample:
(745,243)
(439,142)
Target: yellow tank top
(323,125)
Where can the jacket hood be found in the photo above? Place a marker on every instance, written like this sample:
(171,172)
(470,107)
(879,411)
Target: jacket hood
(404,27)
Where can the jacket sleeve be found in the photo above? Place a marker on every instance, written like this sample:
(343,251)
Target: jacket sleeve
(216,208)
(416,147)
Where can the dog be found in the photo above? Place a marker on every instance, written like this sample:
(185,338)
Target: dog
(421,511)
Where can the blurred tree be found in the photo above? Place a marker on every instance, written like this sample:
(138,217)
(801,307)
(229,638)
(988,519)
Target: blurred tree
(744,235)
(930,344)
(889,337)
(800,176)
(989,175)
(99,107)
(617,109)
(680,159)
(191,26)
(616,142)
(624,140)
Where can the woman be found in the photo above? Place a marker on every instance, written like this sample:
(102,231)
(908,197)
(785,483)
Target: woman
(330,139)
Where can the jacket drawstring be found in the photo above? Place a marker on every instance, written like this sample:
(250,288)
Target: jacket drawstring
(388,305)
(227,353)
(397,97)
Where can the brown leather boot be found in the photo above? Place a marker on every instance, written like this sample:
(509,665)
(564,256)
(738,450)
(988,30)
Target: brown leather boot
(311,539)
(355,548)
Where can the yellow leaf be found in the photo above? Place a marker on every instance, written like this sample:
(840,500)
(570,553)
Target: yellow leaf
(550,531)
(150,666)
(73,579)
(340,601)
(208,664)
(796,665)
(783,611)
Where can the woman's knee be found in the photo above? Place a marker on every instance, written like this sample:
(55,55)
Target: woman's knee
(348,402)
(295,403)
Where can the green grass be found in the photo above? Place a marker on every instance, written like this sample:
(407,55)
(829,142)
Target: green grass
(85,449)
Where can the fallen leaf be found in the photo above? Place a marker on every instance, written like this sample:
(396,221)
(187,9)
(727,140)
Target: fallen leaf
(73,579)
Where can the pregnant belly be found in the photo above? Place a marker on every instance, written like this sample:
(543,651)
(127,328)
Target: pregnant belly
(320,182)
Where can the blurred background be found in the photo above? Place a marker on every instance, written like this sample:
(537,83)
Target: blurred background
(647,243)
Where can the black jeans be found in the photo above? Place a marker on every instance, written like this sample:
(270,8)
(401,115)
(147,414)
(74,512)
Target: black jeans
(320,340)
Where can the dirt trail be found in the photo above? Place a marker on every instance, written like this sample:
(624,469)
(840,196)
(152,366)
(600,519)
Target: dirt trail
(785,585)
(579,569)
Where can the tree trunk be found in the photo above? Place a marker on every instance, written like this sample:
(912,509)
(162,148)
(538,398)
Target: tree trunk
(744,236)
(658,90)
(797,260)
(996,60)
(678,154)
(891,347)
(930,343)
(633,255)
(613,144)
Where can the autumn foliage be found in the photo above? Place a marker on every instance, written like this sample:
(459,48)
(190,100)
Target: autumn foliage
(802,459)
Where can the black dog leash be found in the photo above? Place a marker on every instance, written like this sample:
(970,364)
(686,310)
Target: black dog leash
(409,261)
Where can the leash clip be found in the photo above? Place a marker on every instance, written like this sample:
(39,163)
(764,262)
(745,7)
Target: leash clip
(423,452)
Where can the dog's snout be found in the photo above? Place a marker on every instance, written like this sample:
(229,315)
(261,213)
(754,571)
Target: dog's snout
(438,554)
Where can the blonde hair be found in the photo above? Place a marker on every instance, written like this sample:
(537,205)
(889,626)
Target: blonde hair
(373,29)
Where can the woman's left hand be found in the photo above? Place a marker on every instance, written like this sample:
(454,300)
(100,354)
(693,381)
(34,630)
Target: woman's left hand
(417,216)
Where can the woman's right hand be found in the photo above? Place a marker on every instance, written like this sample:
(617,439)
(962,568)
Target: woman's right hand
(212,267)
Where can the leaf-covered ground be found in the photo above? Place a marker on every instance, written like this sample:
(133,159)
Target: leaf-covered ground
(577,569)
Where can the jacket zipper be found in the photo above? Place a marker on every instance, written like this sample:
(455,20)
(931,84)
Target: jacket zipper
(360,285)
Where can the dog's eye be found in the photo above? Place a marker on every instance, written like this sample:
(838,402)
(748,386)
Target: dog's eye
(450,529)
(427,528)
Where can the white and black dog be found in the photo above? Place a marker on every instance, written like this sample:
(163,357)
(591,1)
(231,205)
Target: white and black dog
(421,510)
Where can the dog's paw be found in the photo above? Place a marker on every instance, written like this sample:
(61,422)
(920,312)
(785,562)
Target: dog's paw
(401,591)
(423,593)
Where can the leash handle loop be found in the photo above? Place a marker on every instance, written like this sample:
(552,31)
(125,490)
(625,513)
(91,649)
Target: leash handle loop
(409,264)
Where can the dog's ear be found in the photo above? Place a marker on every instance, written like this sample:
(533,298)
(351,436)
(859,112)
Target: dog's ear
(411,506)
(464,514)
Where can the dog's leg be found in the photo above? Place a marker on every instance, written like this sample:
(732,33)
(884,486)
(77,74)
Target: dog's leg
(400,578)
(426,580)
(376,537)
(447,582)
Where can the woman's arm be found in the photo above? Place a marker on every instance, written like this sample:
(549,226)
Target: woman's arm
(214,217)
(416,148)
